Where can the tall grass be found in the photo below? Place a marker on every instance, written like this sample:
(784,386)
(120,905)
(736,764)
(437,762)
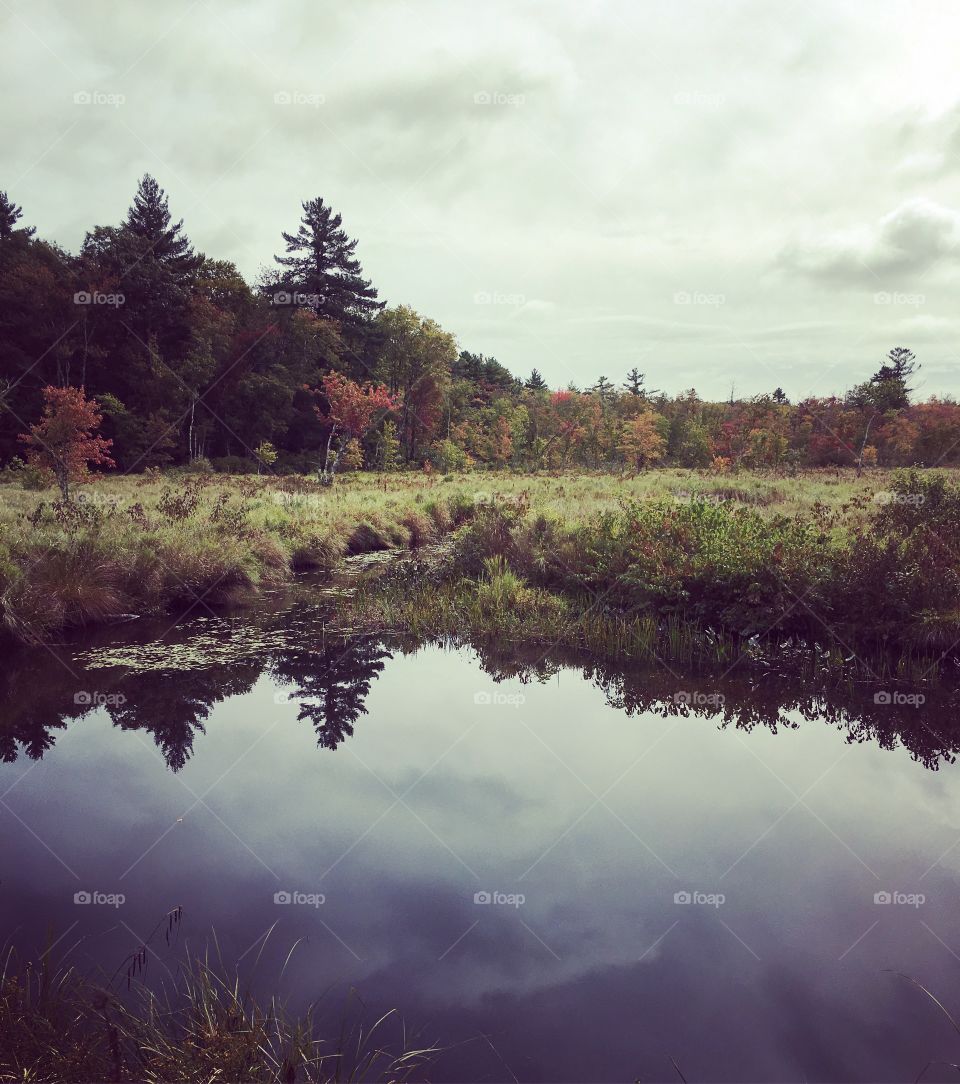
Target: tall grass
(873,580)
(57,1025)
(142,545)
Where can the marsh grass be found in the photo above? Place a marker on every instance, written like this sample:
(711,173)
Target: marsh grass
(57,1025)
(141,546)
(873,588)
(148,544)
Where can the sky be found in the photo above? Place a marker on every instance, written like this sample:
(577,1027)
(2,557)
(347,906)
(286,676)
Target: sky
(727,195)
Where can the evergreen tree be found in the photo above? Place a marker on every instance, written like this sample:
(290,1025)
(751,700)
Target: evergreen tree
(321,264)
(603,387)
(889,388)
(10,214)
(634,383)
(148,220)
(535,382)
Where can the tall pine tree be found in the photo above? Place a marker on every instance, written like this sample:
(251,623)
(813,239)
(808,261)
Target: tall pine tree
(321,264)
(148,221)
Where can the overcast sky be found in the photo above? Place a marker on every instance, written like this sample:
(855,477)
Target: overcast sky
(760,193)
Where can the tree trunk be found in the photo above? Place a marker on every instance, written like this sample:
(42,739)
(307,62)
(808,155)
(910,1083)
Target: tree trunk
(326,477)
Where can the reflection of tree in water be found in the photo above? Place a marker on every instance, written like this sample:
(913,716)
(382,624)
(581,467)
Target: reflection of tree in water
(173,706)
(332,677)
(40,697)
(148,688)
(755,696)
(37,694)
(332,681)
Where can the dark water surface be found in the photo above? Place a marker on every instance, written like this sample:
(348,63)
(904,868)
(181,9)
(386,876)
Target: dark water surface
(252,759)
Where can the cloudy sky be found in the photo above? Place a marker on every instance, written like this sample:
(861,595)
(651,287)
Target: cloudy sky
(749,192)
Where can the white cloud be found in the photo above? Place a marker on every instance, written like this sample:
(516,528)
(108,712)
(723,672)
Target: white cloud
(628,152)
(913,238)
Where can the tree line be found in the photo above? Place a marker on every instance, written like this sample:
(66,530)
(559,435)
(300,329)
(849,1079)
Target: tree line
(307,369)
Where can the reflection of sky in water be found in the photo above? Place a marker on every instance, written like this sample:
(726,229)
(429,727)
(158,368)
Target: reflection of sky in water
(597,819)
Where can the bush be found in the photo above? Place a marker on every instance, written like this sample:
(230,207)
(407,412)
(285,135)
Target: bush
(445,456)
(233,464)
(200,465)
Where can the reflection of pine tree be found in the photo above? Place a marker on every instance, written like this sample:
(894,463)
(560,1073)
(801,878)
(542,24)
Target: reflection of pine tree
(172,707)
(36,698)
(332,683)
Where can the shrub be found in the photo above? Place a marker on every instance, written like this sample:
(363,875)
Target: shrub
(200,465)
(233,464)
(445,456)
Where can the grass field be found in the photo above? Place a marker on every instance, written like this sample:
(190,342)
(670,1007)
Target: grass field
(134,545)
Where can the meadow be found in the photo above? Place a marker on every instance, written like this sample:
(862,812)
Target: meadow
(866,558)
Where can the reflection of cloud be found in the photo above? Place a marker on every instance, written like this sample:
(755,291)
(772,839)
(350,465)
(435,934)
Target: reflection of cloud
(912,238)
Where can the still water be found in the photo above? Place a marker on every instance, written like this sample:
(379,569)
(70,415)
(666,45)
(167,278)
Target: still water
(555,871)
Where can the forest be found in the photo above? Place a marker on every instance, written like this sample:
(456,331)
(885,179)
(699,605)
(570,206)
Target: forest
(307,370)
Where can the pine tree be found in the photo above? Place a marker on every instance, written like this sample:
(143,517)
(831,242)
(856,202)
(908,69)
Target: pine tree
(10,214)
(148,220)
(535,382)
(635,382)
(604,391)
(322,266)
(889,388)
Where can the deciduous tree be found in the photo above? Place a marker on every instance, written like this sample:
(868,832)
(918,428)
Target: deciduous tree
(64,444)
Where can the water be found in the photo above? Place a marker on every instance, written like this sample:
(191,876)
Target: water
(504,854)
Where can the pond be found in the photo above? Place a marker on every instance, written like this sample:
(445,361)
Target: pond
(556,870)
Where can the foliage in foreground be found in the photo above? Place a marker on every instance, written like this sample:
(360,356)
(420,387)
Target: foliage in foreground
(58,1026)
